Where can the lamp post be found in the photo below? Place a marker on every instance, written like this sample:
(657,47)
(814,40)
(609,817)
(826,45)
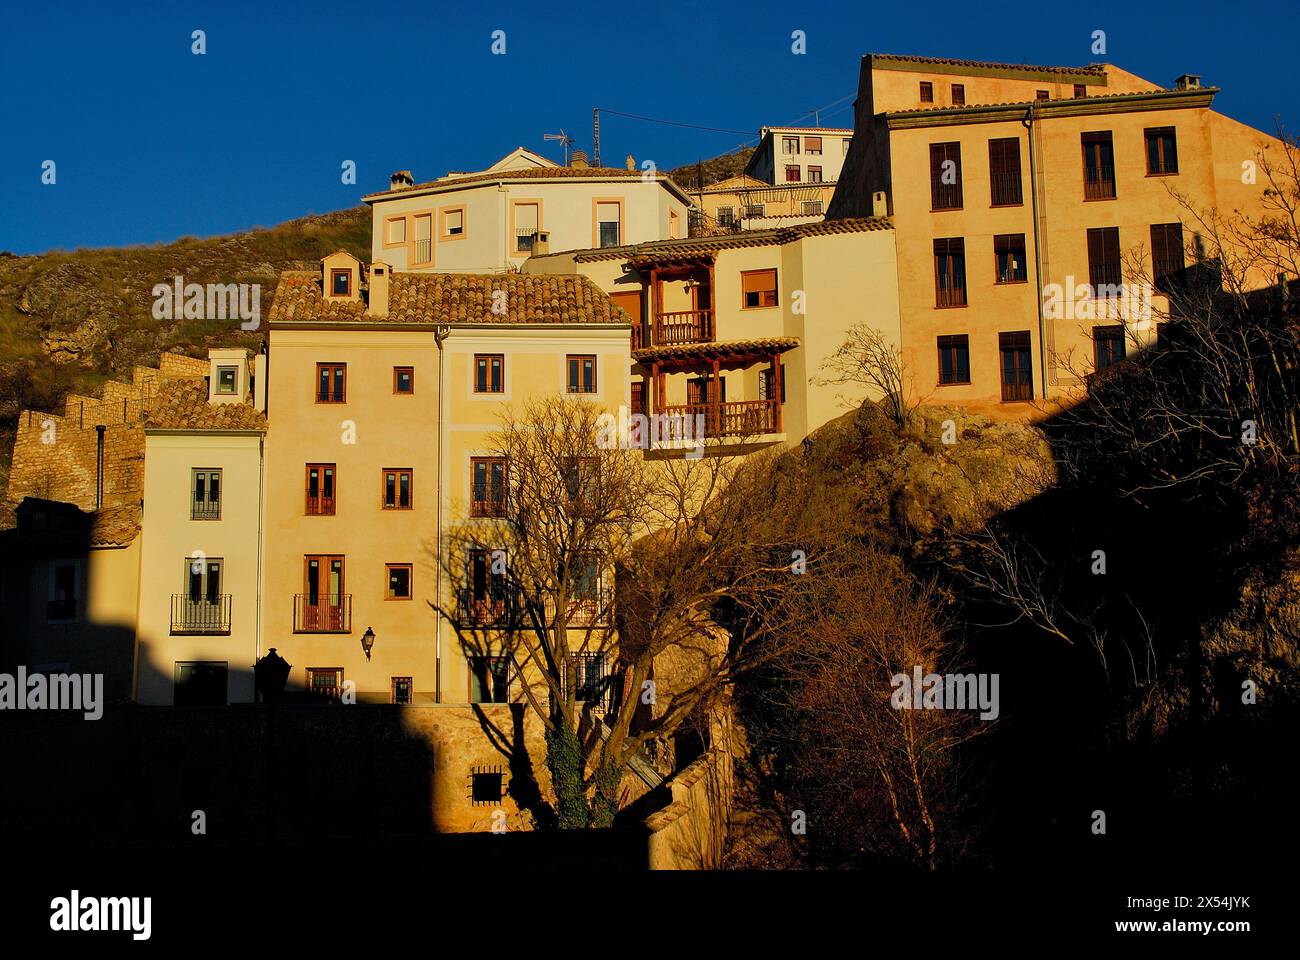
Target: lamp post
(368,641)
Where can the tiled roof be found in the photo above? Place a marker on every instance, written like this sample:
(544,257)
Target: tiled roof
(526,173)
(114,526)
(811,131)
(1096,99)
(457,298)
(719,348)
(183,405)
(705,246)
(1094,68)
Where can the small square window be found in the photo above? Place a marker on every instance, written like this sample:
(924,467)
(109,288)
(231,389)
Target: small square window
(227,379)
(758,288)
(403,380)
(399,484)
(1080,91)
(927,91)
(489,373)
(486,786)
(402,689)
(1043,95)
(582,374)
(399,582)
(341,283)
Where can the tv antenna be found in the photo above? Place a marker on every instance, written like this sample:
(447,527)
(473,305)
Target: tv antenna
(564,138)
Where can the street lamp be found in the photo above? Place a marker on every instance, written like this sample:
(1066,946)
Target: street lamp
(368,641)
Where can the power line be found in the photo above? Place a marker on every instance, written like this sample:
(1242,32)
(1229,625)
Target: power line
(674,123)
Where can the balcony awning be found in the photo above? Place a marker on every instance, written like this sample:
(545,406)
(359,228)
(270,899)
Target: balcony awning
(727,351)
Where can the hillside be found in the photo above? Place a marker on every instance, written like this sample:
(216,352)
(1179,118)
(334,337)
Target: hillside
(714,169)
(71,320)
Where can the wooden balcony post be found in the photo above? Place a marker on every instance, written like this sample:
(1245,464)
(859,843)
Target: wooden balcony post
(711,317)
(717,396)
(656,305)
(776,387)
(653,402)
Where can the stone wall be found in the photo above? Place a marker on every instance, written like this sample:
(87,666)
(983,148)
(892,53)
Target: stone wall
(55,455)
(690,832)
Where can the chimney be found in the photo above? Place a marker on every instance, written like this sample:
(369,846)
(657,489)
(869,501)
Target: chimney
(879,204)
(578,158)
(541,242)
(1188,81)
(380,274)
(631,162)
(401,180)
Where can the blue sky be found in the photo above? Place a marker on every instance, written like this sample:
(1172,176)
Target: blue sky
(152,142)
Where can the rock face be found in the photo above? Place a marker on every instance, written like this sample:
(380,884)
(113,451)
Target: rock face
(70,304)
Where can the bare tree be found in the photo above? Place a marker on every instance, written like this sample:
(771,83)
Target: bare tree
(871,360)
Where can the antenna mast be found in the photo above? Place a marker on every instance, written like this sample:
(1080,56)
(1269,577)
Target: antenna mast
(564,138)
(595,137)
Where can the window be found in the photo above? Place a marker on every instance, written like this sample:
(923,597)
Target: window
(340,283)
(399,484)
(954,359)
(814,174)
(488,368)
(1167,257)
(1017,381)
(323,607)
(810,208)
(812,145)
(1098,166)
(202,582)
(754,210)
(453,223)
(792,173)
(959,94)
(1162,151)
(846,142)
(403,380)
(766,391)
(592,676)
(488,480)
(205,489)
(199,684)
(790,145)
(320,489)
(945,176)
(1080,90)
(422,254)
(486,787)
(398,581)
(325,682)
(403,689)
(1042,95)
(1009,254)
(950,272)
(397,230)
(758,288)
(1004,172)
(227,379)
(638,396)
(582,374)
(1103,261)
(1107,346)
(331,382)
(528,221)
(489,679)
(726,216)
(927,91)
(674,225)
(63,591)
(582,481)
(705,390)
(609,223)
(486,584)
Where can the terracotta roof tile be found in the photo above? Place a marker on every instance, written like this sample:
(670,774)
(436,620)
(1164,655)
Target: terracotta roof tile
(526,173)
(114,526)
(719,348)
(183,405)
(1098,69)
(457,298)
(703,246)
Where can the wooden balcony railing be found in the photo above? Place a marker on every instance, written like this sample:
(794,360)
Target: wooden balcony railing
(681,326)
(202,615)
(322,613)
(739,418)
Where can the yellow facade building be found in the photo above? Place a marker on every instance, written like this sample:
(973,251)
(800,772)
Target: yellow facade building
(1038,215)
(747,203)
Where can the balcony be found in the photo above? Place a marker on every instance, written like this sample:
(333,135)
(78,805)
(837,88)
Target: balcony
(739,418)
(205,510)
(422,252)
(487,502)
(320,506)
(682,326)
(322,613)
(205,615)
(498,606)
(1102,188)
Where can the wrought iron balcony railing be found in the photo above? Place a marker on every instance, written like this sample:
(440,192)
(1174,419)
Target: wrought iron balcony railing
(200,615)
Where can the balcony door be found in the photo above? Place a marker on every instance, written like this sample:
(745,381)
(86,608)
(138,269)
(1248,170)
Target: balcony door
(200,607)
(323,592)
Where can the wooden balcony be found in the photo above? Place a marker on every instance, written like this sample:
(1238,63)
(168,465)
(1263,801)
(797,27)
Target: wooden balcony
(322,613)
(738,418)
(682,326)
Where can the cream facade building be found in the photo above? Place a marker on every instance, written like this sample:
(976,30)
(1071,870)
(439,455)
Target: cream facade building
(799,154)
(491,221)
